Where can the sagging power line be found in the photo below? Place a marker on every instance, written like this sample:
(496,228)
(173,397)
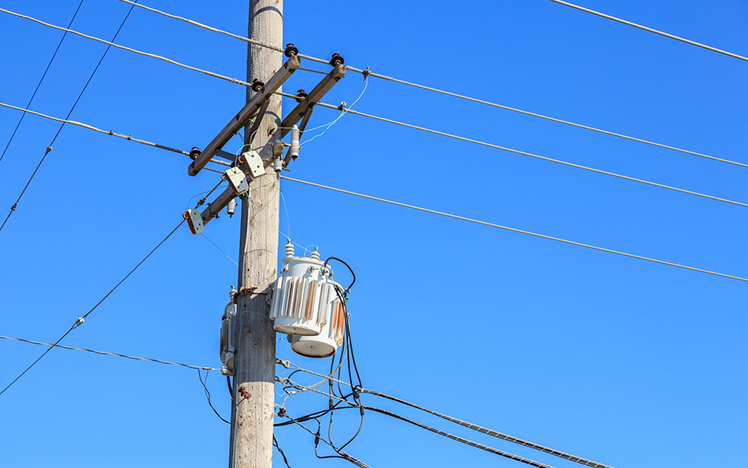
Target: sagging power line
(527,153)
(62,125)
(520,231)
(368,73)
(652,30)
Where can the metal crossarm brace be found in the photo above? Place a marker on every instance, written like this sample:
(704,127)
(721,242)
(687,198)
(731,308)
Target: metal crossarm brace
(319,91)
(246,113)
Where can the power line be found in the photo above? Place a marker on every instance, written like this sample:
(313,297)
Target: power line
(59,130)
(367,72)
(491,432)
(469,425)
(463,440)
(105,353)
(39,84)
(526,153)
(521,231)
(85,316)
(652,30)
(129,49)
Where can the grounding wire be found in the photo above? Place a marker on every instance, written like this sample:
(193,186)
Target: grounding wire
(533,155)
(39,84)
(520,231)
(82,319)
(129,49)
(367,72)
(62,125)
(652,30)
(105,353)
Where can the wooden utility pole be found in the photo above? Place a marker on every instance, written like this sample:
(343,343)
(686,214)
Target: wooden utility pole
(254,381)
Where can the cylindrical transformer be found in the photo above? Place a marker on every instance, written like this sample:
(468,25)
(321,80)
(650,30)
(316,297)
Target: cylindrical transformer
(296,296)
(332,313)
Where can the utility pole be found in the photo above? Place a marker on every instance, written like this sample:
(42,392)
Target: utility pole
(254,380)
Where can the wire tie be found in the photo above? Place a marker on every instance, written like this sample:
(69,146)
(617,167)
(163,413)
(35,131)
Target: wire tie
(366,73)
(129,137)
(13,208)
(342,105)
(111,132)
(79,322)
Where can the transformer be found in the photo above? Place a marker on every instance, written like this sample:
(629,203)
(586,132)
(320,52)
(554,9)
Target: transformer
(332,314)
(307,306)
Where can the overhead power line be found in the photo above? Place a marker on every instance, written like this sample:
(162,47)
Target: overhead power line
(521,231)
(105,353)
(652,30)
(448,435)
(129,49)
(41,80)
(526,153)
(83,318)
(367,72)
(59,130)
(475,427)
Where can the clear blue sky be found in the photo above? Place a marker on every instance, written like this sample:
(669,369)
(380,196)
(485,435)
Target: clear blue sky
(626,362)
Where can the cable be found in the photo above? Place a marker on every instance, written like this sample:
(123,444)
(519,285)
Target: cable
(536,156)
(104,353)
(220,249)
(491,432)
(343,110)
(521,231)
(344,455)
(655,31)
(280,450)
(95,129)
(367,72)
(207,394)
(72,108)
(462,440)
(129,49)
(460,422)
(38,85)
(85,316)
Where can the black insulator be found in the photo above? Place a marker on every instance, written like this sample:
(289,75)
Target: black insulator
(257,85)
(336,60)
(194,152)
(291,50)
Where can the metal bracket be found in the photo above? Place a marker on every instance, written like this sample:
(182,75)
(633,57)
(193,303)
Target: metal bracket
(237,180)
(246,113)
(194,221)
(253,163)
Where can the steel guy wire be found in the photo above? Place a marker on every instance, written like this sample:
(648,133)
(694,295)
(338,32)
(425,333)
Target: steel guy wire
(41,80)
(520,231)
(62,125)
(110,132)
(533,155)
(129,49)
(652,30)
(105,353)
(367,72)
(83,318)
(460,422)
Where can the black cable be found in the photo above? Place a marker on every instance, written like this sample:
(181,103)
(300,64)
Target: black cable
(490,432)
(275,444)
(470,443)
(349,269)
(80,95)
(231,387)
(38,85)
(83,318)
(207,394)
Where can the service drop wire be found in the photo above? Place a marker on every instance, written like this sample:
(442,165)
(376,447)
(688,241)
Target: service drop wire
(83,318)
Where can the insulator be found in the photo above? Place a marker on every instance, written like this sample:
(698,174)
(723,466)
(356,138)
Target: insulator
(315,254)
(289,249)
(231,208)
(295,137)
